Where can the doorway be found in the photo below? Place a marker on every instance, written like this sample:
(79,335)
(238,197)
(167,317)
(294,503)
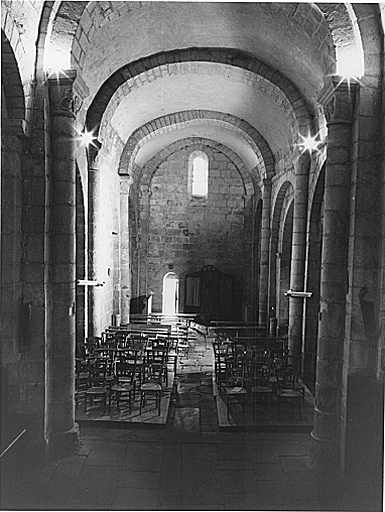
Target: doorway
(170,294)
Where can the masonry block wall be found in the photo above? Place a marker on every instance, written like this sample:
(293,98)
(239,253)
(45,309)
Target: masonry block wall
(11,286)
(106,244)
(187,232)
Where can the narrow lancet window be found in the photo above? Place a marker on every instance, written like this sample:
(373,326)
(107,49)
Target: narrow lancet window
(199,173)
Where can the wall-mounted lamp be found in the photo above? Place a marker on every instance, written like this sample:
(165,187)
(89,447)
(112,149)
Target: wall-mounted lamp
(301,295)
(89,282)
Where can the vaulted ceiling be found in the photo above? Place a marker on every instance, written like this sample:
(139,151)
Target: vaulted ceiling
(246,75)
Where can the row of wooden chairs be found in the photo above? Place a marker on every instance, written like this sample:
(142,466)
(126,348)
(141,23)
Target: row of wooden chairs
(271,376)
(111,372)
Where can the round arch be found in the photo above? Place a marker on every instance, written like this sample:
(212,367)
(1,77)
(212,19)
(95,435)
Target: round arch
(11,83)
(145,175)
(313,281)
(265,158)
(285,193)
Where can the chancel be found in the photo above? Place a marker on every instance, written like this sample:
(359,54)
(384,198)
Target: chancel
(192,255)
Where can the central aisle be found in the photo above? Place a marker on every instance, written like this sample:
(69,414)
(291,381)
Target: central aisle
(193,404)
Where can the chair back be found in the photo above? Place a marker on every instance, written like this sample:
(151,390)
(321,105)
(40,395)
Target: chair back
(260,356)
(154,364)
(125,372)
(235,372)
(160,343)
(98,376)
(288,377)
(259,375)
(220,349)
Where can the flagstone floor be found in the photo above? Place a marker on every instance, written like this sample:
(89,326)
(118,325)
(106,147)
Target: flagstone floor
(189,463)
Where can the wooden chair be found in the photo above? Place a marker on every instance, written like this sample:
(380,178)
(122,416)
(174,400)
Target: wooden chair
(82,375)
(156,356)
(97,386)
(152,385)
(261,357)
(172,354)
(90,344)
(235,383)
(125,383)
(287,392)
(221,355)
(261,387)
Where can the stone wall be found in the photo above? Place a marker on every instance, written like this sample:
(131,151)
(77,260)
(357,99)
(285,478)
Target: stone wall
(185,233)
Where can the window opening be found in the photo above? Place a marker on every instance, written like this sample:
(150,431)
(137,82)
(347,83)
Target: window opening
(199,173)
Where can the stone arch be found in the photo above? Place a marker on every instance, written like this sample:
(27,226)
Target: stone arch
(73,36)
(180,119)
(81,270)
(11,82)
(285,190)
(196,143)
(150,68)
(284,268)
(312,281)
(256,258)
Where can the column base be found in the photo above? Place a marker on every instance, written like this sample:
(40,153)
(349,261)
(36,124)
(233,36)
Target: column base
(325,455)
(64,444)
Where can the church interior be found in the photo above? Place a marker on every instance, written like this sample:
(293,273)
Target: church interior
(209,176)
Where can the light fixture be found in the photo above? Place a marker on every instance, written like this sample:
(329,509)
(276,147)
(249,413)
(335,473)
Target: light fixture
(87,138)
(302,295)
(309,143)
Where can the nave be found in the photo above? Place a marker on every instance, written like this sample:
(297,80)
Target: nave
(190,463)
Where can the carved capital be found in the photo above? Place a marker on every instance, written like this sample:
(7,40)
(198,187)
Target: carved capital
(62,95)
(338,99)
(93,153)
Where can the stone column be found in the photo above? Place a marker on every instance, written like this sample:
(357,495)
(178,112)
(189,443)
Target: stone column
(264,265)
(62,431)
(125,273)
(297,274)
(338,100)
(93,209)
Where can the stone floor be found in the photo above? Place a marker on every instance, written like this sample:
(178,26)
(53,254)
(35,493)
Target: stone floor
(189,464)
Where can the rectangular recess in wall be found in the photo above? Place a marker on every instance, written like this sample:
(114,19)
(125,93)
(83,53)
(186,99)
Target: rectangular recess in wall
(25,326)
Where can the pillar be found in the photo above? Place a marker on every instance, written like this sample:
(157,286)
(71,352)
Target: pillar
(93,209)
(62,431)
(297,274)
(338,100)
(264,265)
(125,274)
